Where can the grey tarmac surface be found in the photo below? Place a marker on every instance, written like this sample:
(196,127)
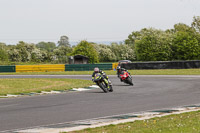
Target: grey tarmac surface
(148,93)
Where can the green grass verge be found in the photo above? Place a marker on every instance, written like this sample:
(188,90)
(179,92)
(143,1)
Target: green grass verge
(17,86)
(181,123)
(112,72)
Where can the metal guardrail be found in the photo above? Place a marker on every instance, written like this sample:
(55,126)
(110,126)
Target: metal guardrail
(88,67)
(55,67)
(104,66)
(40,68)
(7,69)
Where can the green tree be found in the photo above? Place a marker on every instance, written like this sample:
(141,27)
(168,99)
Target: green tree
(3,55)
(127,53)
(186,42)
(132,38)
(183,27)
(153,45)
(185,46)
(3,52)
(116,49)
(87,49)
(64,41)
(25,52)
(196,26)
(61,54)
(123,51)
(105,54)
(39,56)
(196,23)
(48,46)
(14,55)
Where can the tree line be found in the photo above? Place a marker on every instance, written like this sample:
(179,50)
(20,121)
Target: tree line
(180,43)
(149,44)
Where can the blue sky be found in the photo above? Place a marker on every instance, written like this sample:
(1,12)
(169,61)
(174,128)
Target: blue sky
(92,20)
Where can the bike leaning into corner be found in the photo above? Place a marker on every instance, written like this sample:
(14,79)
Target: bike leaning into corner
(126,78)
(124,75)
(101,79)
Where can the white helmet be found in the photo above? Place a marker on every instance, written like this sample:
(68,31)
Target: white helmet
(96,69)
(118,67)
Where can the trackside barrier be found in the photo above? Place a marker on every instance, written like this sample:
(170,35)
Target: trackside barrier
(7,68)
(87,67)
(163,65)
(114,66)
(40,68)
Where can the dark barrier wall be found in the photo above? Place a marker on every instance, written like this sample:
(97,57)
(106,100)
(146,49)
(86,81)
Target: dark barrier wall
(87,67)
(163,65)
(7,68)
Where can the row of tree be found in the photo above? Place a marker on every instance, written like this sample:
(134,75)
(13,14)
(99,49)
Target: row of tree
(50,53)
(180,43)
(149,44)
(42,52)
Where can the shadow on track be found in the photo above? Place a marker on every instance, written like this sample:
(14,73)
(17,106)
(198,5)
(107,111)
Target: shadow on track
(122,85)
(96,92)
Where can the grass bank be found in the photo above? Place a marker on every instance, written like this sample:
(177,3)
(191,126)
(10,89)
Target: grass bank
(182,123)
(18,86)
(112,72)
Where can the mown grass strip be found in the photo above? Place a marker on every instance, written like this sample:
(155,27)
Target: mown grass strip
(27,85)
(181,123)
(112,72)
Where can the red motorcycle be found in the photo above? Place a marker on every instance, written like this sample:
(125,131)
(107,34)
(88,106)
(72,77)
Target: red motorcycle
(126,78)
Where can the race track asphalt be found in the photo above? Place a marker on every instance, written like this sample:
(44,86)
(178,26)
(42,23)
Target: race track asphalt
(148,93)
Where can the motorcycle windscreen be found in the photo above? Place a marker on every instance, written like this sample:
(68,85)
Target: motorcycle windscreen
(97,77)
(123,75)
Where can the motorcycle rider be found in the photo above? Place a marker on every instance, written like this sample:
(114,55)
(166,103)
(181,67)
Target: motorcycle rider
(120,70)
(106,80)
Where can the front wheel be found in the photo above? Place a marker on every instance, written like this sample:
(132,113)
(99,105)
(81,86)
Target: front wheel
(110,89)
(103,87)
(129,81)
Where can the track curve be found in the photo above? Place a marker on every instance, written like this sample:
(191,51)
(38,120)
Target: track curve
(148,93)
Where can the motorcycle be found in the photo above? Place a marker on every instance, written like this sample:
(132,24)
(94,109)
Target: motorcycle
(99,80)
(126,78)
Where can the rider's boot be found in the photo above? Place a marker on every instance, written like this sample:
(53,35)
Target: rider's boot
(109,82)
